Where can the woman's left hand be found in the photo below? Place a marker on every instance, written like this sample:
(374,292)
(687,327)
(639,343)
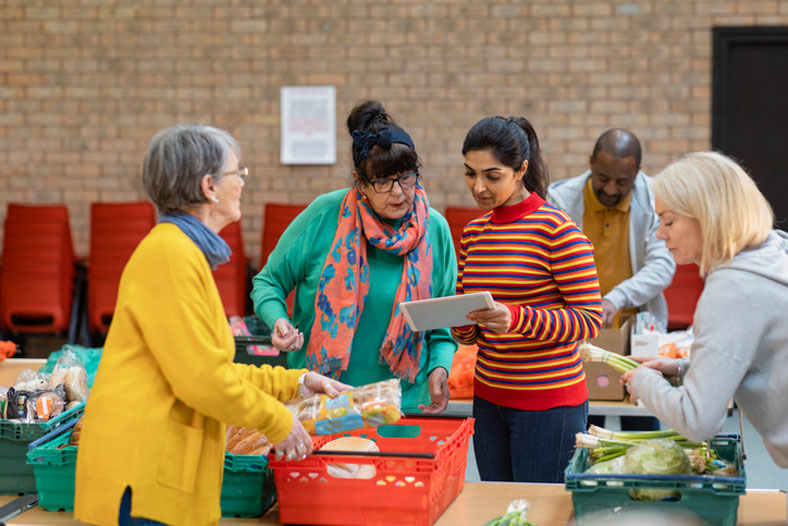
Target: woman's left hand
(317,383)
(498,319)
(439,392)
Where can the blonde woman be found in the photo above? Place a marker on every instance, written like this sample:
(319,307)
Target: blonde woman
(713,214)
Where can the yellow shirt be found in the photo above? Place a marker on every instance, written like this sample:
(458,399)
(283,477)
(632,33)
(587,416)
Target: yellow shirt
(608,230)
(165,386)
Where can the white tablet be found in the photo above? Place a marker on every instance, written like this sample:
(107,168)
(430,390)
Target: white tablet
(448,311)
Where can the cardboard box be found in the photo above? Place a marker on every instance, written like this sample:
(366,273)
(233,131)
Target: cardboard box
(601,379)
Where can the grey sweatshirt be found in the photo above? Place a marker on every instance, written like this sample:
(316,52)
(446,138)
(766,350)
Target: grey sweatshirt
(740,351)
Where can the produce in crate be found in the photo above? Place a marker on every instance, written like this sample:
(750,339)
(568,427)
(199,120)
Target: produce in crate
(370,405)
(651,453)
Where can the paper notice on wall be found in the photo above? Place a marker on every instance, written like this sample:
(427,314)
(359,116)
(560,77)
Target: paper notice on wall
(308,125)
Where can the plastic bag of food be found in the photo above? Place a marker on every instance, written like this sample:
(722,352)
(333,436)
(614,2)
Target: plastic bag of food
(3,400)
(29,380)
(29,406)
(463,367)
(70,370)
(515,515)
(351,471)
(242,441)
(370,405)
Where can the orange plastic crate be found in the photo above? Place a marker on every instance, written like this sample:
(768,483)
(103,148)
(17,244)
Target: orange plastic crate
(419,471)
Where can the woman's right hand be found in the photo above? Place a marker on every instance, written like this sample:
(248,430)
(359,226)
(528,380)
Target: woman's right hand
(285,337)
(668,367)
(296,446)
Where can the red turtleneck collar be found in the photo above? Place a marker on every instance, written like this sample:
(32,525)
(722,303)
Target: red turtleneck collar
(507,214)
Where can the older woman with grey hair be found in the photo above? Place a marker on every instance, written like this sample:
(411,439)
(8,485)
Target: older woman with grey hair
(153,439)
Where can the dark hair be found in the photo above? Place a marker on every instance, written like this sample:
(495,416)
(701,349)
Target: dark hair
(619,143)
(511,140)
(371,116)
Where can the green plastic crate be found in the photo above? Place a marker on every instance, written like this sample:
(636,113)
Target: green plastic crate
(16,477)
(714,500)
(248,487)
(247,491)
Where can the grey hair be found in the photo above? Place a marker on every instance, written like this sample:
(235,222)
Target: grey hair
(178,158)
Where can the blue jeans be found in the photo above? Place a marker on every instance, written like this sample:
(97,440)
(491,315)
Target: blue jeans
(124,517)
(514,445)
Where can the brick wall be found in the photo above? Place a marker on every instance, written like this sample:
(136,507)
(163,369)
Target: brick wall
(84,84)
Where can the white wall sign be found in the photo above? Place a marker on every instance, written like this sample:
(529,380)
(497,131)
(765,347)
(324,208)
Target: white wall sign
(308,125)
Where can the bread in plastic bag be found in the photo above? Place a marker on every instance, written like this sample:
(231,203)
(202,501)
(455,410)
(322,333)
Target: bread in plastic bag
(70,370)
(242,441)
(370,405)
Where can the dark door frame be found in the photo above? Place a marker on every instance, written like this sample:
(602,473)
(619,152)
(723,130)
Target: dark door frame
(723,38)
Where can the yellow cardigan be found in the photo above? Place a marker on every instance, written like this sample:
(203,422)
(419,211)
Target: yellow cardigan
(166,385)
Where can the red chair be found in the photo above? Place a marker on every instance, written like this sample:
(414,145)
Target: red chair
(458,217)
(37,278)
(682,296)
(115,231)
(276,218)
(231,277)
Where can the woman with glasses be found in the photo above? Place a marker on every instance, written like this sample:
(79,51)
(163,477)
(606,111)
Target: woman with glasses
(352,256)
(530,395)
(152,445)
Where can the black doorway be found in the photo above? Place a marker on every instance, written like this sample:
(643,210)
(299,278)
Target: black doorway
(750,106)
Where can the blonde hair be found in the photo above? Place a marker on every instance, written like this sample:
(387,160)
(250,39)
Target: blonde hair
(712,188)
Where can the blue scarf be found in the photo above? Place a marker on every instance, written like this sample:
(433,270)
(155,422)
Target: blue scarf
(216,249)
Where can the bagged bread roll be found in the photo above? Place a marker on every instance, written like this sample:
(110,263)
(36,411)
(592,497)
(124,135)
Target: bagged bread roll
(74,440)
(77,384)
(352,471)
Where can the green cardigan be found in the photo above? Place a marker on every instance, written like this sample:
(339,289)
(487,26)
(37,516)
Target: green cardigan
(297,262)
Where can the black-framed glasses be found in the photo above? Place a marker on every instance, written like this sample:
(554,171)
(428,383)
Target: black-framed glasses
(407,180)
(241,173)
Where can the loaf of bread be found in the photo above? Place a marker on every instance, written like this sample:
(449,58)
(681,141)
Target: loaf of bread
(352,471)
(241,441)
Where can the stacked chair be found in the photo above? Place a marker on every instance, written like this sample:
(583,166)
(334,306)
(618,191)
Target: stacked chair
(115,231)
(276,218)
(38,273)
(682,296)
(458,217)
(232,277)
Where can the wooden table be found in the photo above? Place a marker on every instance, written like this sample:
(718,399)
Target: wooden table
(551,505)
(11,367)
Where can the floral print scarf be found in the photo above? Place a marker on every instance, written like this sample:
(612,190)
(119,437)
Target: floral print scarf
(344,284)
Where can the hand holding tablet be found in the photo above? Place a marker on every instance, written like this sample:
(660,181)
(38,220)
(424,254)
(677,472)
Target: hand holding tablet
(448,311)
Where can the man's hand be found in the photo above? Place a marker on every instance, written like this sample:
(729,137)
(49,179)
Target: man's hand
(498,319)
(285,337)
(439,392)
(609,312)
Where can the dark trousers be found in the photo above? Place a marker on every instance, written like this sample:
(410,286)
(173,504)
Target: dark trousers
(124,517)
(513,445)
(629,423)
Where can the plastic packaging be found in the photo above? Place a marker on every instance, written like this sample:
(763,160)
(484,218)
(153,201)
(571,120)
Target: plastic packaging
(370,405)
(70,370)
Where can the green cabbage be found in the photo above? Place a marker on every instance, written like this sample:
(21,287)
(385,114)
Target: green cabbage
(656,457)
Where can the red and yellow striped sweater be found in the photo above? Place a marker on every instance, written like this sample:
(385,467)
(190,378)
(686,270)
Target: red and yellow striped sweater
(531,256)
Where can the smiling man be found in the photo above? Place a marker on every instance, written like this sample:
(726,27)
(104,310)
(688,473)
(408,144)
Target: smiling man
(613,205)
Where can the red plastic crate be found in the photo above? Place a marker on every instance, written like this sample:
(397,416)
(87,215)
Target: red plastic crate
(419,471)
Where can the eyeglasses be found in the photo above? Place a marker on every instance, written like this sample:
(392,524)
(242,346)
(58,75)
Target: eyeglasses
(241,173)
(407,180)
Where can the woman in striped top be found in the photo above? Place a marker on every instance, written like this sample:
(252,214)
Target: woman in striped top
(530,395)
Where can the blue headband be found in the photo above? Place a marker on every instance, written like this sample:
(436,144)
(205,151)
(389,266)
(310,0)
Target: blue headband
(363,141)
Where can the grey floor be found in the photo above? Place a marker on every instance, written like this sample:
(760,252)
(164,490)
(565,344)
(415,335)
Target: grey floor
(762,472)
